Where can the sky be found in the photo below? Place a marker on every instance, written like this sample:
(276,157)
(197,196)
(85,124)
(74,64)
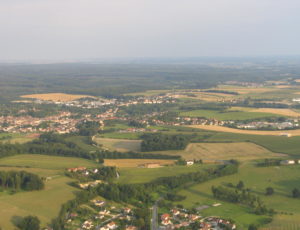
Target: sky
(91,29)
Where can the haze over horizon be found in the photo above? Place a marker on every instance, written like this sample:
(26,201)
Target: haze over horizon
(92,29)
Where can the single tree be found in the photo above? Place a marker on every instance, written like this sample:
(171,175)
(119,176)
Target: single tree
(296,193)
(29,223)
(240,185)
(269,191)
(252,227)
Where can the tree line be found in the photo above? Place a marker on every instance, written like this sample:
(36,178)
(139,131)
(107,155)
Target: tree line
(20,180)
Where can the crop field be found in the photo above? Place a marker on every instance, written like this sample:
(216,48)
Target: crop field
(56,97)
(44,204)
(119,144)
(223,151)
(217,128)
(45,162)
(228,115)
(283,112)
(133,163)
(144,175)
(283,179)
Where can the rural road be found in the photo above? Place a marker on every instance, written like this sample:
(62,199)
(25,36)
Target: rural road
(154,220)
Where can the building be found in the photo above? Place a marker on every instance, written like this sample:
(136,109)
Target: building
(189,162)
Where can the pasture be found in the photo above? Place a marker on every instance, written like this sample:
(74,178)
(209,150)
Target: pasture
(56,97)
(45,161)
(283,179)
(226,115)
(119,144)
(44,204)
(133,163)
(223,151)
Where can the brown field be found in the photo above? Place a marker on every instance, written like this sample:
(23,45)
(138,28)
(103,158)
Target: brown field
(297,80)
(217,128)
(62,97)
(209,152)
(133,163)
(284,112)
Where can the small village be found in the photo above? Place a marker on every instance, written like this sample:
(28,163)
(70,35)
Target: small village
(101,215)
(178,218)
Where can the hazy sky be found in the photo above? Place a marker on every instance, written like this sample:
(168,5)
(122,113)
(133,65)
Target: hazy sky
(81,29)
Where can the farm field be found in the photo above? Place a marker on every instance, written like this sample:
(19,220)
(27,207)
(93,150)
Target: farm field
(223,151)
(45,162)
(275,144)
(144,175)
(295,132)
(133,163)
(230,115)
(119,145)
(56,97)
(282,112)
(257,179)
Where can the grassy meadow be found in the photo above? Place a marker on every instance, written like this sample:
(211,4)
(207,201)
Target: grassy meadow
(119,145)
(283,179)
(44,204)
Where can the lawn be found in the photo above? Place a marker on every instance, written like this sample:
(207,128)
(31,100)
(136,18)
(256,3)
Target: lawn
(14,138)
(283,179)
(143,175)
(45,162)
(228,115)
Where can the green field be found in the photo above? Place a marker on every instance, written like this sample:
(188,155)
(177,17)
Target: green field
(283,179)
(45,203)
(45,162)
(15,138)
(143,175)
(119,144)
(238,115)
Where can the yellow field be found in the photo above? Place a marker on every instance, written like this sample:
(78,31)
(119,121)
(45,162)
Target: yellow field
(217,128)
(133,163)
(284,112)
(120,145)
(62,97)
(209,152)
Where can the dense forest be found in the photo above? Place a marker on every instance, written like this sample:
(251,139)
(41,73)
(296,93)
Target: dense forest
(113,80)
(20,181)
(159,141)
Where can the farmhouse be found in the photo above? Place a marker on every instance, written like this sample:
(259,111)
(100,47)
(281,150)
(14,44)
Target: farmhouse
(189,162)
(78,169)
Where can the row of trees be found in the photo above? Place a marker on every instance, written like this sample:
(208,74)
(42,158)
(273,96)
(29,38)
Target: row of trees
(242,196)
(20,180)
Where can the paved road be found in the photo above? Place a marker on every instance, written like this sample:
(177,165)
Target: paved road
(154,220)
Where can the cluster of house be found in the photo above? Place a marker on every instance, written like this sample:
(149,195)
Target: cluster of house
(289,162)
(107,217)
(83,171)
(289,124)
(182,218)
(60,123)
